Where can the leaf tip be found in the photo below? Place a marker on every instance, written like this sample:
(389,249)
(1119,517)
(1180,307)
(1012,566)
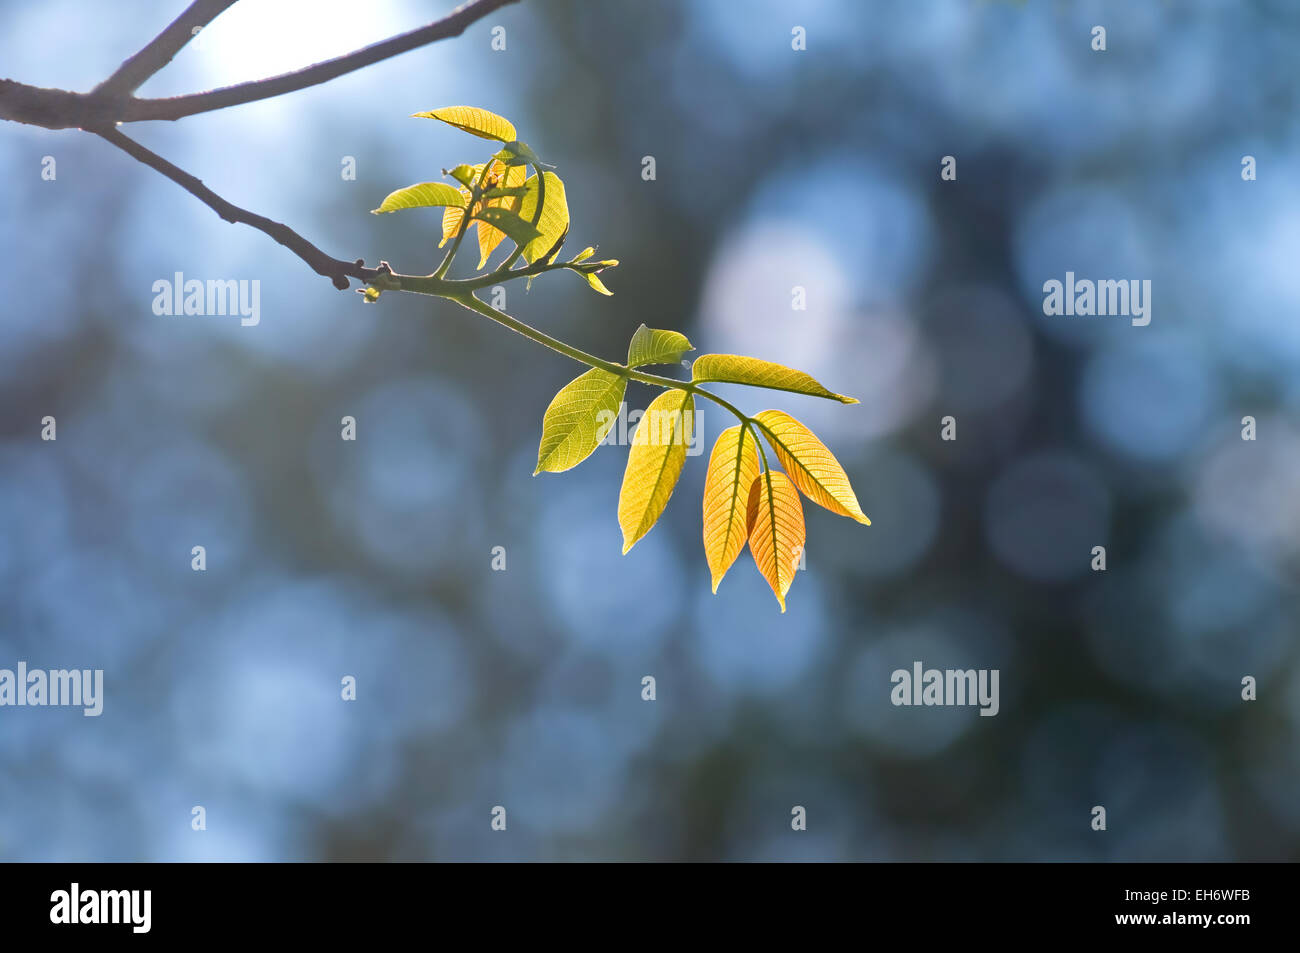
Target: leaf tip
(847,400)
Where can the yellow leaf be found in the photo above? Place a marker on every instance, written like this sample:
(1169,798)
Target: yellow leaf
(471,119)
(654,463)
(733,468)
(598,284)
(423,195)
(776,530)
(554,220)
(451,218)
(810,465)
(736,369)
(489,237)
(578,419)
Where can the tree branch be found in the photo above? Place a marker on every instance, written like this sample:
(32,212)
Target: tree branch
(112,102)
(337,270)
(177,107)
(62,109)
(132,74)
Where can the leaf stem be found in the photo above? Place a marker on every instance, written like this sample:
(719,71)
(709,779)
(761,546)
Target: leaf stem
(465,221)
(468,300)
(504,267)
(750,423)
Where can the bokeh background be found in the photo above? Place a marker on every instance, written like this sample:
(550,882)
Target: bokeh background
(522,688)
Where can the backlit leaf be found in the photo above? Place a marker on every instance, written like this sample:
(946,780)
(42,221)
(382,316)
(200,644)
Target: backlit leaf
(733,468)
(811,466)
(649,346)
(490,237)
(577,420)
(735,369)
(554,220)
(471,119)
(596,283)
(518,153)
(654,463)
(466,175)
(452,217)
(516,228)
(776,530)
(424,195)
(503,193)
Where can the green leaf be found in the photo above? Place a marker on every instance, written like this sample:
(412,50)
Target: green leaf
(466,175)
(554,219)
(649,346)
(654,463)
(424,195)
(519,231)
(598,284)
(518,153)
(584,254)
(471,119)
(735,369)
(502,192)
(577,420)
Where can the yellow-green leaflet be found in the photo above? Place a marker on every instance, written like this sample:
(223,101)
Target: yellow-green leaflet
(554,220)
(577,420)
(733,468)
(654,463)
(649,346)
(737,369)
(811,466)
(776,530)
(471,119)
(424,195)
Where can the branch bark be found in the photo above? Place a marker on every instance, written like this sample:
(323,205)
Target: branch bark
(335,269)
(177,107)
(113,102)
(132,74)
(103,107)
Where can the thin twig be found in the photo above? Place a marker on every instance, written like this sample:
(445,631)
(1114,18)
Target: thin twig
(177,107)
(335,269)
(132,74)
(64,109)
(112,102)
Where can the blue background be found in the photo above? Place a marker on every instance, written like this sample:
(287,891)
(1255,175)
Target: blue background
(522,688)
